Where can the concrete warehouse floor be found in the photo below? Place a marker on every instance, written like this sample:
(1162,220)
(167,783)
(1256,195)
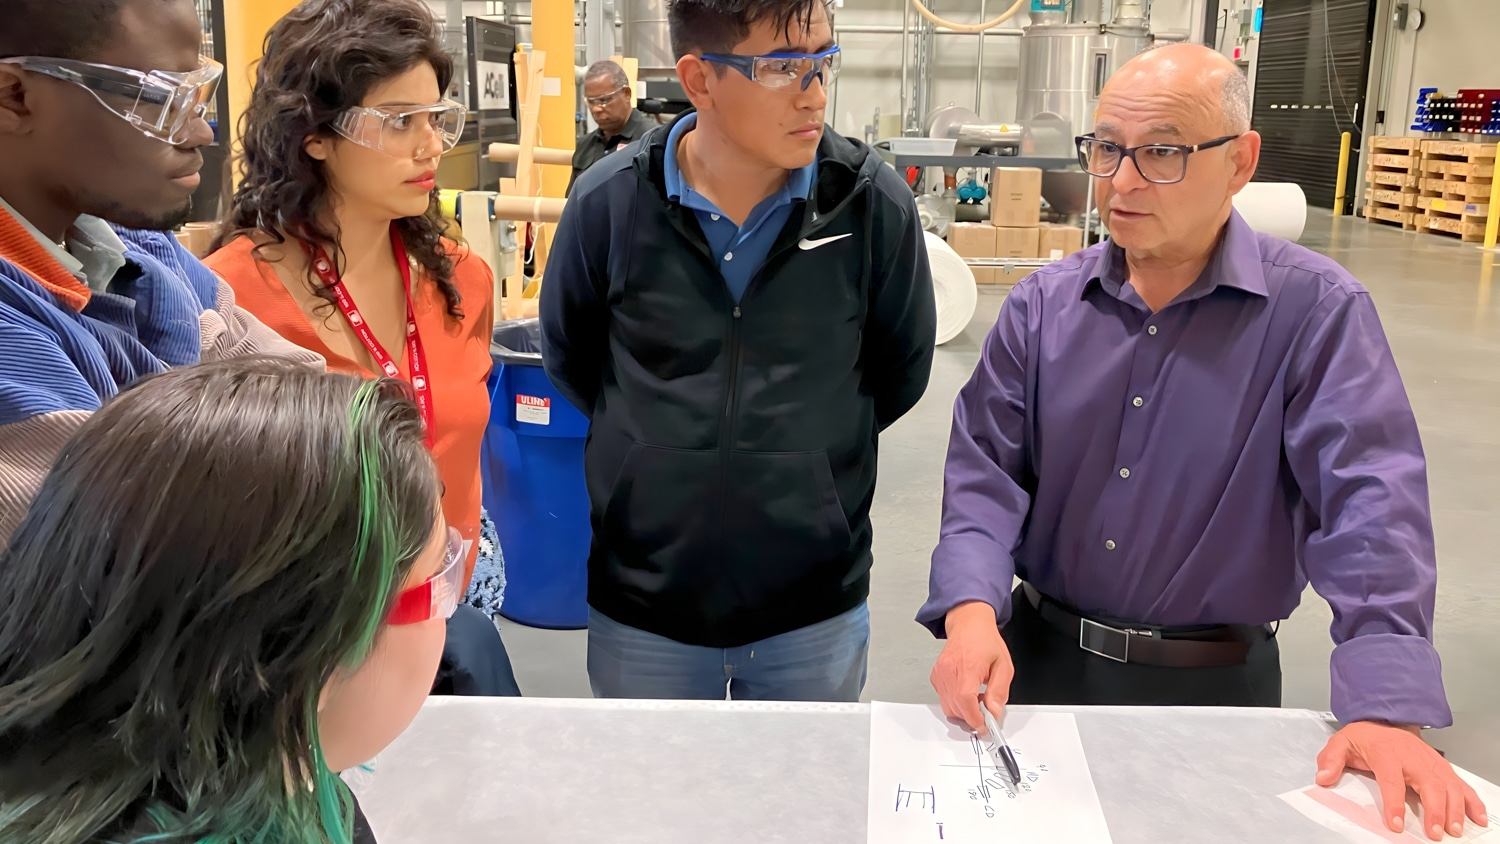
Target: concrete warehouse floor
(1442,314)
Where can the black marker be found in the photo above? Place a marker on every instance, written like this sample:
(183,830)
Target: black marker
(1002,748)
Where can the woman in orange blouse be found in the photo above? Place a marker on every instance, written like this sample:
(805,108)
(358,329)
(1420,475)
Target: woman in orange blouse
(335,239)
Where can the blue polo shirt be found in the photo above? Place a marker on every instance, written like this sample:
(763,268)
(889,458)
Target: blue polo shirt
(739,250)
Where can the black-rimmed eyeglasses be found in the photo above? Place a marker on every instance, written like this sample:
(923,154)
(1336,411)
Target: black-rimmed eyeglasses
(1162,164)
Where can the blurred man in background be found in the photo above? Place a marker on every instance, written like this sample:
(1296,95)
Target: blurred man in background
(606,89)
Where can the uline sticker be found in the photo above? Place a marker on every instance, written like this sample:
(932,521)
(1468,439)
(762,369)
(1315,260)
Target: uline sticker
(533,410)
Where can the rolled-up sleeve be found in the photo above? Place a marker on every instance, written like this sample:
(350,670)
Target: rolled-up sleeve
(1352,445)
(984,500)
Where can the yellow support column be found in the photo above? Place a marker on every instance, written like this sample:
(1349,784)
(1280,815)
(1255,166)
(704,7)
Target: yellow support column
(1341,182)
(1492,222)
(245,25)
(552,33)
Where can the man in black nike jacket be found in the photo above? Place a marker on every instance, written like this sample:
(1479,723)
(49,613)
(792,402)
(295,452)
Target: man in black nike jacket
(741,303)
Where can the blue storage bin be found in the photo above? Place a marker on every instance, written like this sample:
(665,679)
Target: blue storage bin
(532,466)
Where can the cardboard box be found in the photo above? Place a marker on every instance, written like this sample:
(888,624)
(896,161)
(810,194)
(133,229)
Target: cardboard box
(1016,196)
(998,275)
(974,240)
(1016,242)
(1058,242)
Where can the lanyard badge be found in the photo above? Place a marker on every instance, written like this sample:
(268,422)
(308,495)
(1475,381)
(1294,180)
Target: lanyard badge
(416,358)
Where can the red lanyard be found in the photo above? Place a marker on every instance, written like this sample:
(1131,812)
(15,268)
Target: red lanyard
(417,359)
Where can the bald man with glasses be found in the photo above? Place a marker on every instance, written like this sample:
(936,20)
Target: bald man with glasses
(1171,434)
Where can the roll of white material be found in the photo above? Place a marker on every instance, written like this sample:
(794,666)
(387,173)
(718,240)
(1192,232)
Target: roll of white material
(953,286)
(1275,208)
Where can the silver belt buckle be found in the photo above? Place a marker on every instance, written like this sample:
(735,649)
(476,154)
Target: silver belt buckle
(1097,639)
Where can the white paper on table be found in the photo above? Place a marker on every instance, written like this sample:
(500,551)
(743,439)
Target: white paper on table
(935,781)
(1350,808)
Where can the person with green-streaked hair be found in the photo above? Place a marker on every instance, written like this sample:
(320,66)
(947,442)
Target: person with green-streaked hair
(231,585)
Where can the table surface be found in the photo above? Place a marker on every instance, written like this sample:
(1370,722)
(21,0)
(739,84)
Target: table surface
(618,772)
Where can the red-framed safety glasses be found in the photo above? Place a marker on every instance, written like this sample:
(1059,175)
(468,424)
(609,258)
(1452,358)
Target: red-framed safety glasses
(438,596)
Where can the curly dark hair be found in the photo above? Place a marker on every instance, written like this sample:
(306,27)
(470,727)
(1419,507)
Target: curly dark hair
(320,60)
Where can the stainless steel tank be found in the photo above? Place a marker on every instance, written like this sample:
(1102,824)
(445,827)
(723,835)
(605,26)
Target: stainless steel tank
(647,37)
(1064,67)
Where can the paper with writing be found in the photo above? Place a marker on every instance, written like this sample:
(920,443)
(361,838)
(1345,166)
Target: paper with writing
(935,781)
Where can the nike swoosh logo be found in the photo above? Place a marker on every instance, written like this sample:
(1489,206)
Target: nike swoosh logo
(808,243)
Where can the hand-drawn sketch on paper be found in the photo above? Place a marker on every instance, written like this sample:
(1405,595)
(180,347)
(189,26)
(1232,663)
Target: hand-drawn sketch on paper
(932,780)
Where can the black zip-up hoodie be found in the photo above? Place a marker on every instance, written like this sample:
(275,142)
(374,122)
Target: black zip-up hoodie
(731,456)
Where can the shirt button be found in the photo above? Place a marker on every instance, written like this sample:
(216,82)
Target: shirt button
(1109,544)
(729,256)
(714,217)
(1124,473)
(1151,329)
(1137,401)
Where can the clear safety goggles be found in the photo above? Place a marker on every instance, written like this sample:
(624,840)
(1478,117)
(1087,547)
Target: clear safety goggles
(782,70)
(606,99)
(438,596)
(163,104)
(405,133)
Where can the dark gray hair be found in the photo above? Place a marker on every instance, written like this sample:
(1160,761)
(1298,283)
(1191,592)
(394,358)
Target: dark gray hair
(609,69)
(1235,102)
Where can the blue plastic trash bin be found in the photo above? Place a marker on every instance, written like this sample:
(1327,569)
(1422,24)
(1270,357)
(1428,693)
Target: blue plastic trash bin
(532,466)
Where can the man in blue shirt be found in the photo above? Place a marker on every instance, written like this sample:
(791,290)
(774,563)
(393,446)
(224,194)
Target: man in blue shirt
(741,303)
(101,126)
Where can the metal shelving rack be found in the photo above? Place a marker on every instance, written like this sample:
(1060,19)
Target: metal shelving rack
(983,162)
(211,19)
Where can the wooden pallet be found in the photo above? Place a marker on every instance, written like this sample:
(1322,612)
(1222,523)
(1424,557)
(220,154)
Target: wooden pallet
(1454,209)
(1480,211)
(1463,170)
(1394,163)
(1464,230)
(1456,174)
(1393,145)
(1398,199)
(1391,179)
(1457,150)
(1406,219)
(1389,162)
(1397,205)
(1458,190)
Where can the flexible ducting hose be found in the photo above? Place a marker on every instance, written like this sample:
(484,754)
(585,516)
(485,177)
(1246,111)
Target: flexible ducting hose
(968,27)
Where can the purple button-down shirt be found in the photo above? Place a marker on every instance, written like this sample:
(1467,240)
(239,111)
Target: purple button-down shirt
(1201,464)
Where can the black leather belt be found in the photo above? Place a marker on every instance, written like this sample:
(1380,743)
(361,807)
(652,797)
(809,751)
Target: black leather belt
(1210,647)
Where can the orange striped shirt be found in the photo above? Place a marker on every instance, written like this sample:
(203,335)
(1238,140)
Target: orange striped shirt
(458,361)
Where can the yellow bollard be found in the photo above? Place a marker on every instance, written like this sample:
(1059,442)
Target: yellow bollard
(1492,223)
(1343,180)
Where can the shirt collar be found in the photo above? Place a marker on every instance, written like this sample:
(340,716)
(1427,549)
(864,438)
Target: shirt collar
(1235,263)
(638,125)
(635,126)
(93,253)
(100,252)
(799,182)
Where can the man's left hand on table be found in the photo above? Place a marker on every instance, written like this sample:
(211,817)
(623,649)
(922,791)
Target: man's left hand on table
(1399,759)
